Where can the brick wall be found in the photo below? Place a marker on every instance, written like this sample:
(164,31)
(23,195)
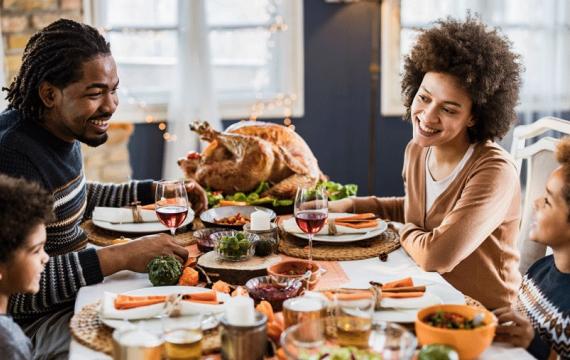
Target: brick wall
(20,20)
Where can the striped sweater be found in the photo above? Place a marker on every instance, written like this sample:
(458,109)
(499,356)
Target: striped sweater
(543,297)
(30,151)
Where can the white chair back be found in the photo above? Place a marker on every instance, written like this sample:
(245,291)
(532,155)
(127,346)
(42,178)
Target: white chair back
(540,162)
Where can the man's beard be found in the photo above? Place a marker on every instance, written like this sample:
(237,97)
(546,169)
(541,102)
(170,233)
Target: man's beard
(93,142)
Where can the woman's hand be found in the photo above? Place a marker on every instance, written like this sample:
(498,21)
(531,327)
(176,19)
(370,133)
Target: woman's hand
(345,205)
(513,328)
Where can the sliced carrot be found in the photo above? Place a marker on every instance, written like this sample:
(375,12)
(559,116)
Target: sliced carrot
(358,225)
(190,277)
(398,283)
(356,217)
(232,203)
(402,295)
(273,331)
(123,302)
(347,296)
(209,302)
(202,296)
(281,354)
(265,308)
(221,286)
(280,320)
(153,205)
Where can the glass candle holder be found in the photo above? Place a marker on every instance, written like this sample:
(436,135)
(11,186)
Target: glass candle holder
(270,235)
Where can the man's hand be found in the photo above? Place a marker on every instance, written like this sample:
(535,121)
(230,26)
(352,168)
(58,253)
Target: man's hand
(136,254)
(197,196)
(513,328)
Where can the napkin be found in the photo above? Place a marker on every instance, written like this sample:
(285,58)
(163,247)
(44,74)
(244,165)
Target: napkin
(108,310)
(290,226)
(402,294)
(121,215)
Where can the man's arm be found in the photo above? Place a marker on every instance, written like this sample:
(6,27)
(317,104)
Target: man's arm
(117,195)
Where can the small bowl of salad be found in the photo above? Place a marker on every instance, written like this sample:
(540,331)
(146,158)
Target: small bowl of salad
(468,329)
(309,272)
(234,245)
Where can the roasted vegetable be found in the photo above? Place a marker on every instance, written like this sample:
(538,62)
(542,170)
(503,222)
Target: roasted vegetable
(263,248)
(164,270)
(190,277)
(221,286)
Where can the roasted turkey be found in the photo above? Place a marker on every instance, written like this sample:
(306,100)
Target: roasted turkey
(248,153)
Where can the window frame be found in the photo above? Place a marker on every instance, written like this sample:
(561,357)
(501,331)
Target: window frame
(289,51)
(391,102)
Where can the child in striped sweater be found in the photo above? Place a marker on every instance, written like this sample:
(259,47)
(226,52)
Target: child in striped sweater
(22,255)
(540,321)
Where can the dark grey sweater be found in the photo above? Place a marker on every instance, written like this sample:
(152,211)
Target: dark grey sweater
(30,151)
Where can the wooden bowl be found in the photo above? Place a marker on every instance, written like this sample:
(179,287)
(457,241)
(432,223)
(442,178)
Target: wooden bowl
(468,343)
(297,269)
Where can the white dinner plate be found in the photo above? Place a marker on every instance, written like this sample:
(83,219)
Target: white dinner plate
(140,228)
(155,325)
(435,293)
(382,226)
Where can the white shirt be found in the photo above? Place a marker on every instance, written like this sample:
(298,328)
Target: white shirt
(435,188)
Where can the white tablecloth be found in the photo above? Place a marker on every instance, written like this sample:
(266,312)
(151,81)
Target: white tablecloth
(359,272)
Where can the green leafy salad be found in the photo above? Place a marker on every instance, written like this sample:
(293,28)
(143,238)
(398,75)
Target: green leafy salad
(335,191)
(342,353)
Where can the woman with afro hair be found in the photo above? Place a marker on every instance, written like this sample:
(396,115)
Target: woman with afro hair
(461,208)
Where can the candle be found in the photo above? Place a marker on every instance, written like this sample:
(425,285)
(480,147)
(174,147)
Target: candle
(240,311)
(259,221)
(139,337)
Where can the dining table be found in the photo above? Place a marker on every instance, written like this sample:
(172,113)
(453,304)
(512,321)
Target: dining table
(357,274)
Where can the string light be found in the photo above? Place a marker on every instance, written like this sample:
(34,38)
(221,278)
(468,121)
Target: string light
(285,101)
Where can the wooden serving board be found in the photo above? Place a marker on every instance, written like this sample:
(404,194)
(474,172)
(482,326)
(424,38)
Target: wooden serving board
(236,272)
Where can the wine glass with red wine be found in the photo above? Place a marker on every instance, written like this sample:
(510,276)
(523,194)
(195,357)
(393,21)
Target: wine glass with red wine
(311,211)
(171,203)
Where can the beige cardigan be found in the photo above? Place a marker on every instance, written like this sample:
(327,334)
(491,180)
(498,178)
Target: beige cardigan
(469,234)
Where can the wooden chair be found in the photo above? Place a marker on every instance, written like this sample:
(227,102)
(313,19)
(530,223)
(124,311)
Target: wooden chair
(540,162)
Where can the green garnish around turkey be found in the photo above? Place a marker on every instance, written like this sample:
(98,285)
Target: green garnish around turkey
(234,246)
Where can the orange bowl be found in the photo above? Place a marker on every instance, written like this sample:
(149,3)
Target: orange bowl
(296,269)
(469,343)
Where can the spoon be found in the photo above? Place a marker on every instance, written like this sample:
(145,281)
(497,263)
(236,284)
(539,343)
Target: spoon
(478,319)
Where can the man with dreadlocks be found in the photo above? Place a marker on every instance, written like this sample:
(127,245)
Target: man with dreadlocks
(64,94)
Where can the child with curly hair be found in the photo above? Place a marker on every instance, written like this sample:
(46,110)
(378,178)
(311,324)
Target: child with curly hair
(25,208)
(541,321)
(461,208)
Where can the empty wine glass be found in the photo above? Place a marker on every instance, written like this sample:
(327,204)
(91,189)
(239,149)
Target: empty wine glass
(311,211)
(171,203)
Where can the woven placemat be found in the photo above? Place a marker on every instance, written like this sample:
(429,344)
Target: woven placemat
(102,237)
(88,330)
(384,243)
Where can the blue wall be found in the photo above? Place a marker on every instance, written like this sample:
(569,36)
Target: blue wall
(337,103)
